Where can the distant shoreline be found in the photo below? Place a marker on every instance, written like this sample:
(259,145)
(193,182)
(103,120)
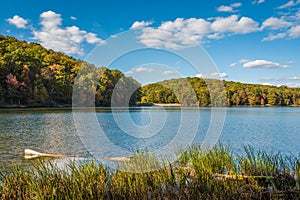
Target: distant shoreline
(167,104)
(139,105)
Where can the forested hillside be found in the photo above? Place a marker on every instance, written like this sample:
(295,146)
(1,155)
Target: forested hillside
(31,75)
(234,93)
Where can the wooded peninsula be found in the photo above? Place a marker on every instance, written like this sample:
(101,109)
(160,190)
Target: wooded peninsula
(32,76)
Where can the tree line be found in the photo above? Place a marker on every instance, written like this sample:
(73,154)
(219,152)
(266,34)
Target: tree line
(208,92)
(31,75)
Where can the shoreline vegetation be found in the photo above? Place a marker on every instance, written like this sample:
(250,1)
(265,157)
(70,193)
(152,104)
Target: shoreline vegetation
(32,76)
(199,173)
(3,107)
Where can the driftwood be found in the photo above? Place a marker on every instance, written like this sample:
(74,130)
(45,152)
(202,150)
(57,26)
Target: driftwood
(192,173)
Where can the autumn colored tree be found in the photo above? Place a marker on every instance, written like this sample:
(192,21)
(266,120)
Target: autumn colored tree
(31,75)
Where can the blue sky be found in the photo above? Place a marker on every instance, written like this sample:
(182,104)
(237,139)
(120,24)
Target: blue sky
(253,41)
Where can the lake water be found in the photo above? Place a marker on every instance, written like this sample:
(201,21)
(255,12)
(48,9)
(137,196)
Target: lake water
(58,130)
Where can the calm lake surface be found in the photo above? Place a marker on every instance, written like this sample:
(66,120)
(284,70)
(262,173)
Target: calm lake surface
(56,130)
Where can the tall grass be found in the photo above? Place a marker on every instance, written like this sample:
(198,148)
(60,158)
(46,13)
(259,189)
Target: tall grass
(199,173)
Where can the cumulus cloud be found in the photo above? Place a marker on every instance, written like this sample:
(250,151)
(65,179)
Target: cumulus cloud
(229,8)
(139,70)
(182,33)
(18,21)
(274,23)
(233,24)
(214,75)
(93,39)
(141,24)
(152,37)
(65,39)
(225,9)
(263,64)
(50,20)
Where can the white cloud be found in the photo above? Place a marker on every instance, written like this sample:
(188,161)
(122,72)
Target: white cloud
(139,70)
(294,32)
(293,85)
(274,23)
(236,5)
(214,75)
(285,27)
(244,61)
(18,21)
(215,36)
(93,39)
(233,64)
(234,25)
(263,64)
(275,36)
(183,33)
(293,78)
(168,72)
(50,20)
(141,24)
(73,18)
(284,81)
(289,4)
(296,78)
(297,15)
(144,69)
(258,1)
(64,39)
(159,38)
(268,84)
(226,9)
(270,79)
(230,8)
(289,84)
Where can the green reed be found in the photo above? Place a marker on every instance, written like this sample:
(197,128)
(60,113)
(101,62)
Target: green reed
(199,173)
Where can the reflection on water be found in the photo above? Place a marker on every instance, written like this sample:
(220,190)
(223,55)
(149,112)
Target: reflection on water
(53,130)
(39,129)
